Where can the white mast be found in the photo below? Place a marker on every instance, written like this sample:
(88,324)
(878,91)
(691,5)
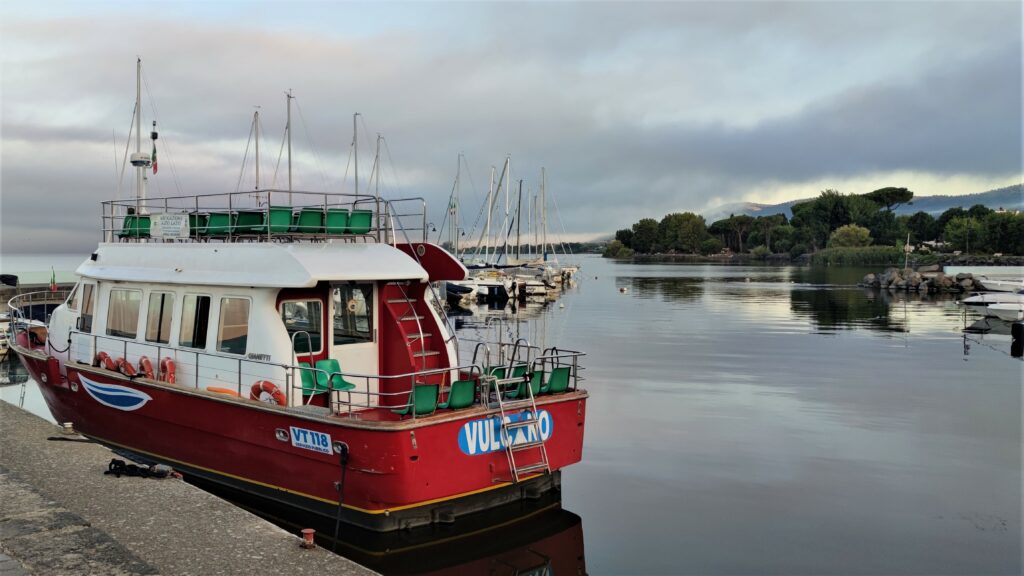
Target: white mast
(376,170)
(504,223)
(490,207)
(454,209)
(544,214)
(355,146)
(256,127)
(140,160)
(288,129)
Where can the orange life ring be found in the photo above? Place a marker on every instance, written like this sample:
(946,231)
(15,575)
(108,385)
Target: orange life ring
(265,386)
(125,367)
(146,367)
(105,361)
(167,370)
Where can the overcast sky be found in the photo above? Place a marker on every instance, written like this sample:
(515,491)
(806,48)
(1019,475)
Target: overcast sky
(634,109)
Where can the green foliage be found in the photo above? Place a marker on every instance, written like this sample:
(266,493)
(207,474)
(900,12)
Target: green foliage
(798,249)
(979,211)
(711,246)
(849,236)
(1004,232)
(858,256)
(965,233)
(625,237)
(760,252)
(681,232)
(922,227)
(645,235)
(890,198)
(616,249)
(945,217)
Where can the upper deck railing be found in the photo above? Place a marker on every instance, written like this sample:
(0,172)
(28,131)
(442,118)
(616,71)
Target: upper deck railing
(265,215)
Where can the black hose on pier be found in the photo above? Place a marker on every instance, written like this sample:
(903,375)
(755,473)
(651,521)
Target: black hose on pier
(340,487)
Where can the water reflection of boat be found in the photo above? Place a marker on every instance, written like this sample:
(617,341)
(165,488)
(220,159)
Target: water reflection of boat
(529,537)
(11,371)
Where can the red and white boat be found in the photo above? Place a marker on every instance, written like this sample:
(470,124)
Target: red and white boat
(292,349)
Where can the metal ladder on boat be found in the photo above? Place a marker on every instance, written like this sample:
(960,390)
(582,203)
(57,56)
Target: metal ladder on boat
(528,424)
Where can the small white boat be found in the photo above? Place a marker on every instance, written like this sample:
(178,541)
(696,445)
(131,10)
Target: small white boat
(1008,312)
(989,298)
(1000,285)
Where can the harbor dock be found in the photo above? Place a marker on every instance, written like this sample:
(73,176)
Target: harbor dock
(60,514)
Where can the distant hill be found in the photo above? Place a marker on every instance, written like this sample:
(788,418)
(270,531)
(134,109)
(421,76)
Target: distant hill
(1011,198)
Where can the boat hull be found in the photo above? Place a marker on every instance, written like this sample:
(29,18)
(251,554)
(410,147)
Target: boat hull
(399,474)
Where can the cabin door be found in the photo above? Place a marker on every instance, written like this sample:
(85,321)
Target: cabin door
(81,309)
(354,321)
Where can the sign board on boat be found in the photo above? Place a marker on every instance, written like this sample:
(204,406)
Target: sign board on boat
(168,225)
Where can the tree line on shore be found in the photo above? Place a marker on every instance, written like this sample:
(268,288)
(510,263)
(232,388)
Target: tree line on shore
(832,220)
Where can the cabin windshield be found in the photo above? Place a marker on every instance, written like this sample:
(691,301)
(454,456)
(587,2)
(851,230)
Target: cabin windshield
(304,317)
(353,313)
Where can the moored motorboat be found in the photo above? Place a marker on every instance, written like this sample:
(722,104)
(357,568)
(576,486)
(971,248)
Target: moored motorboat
(290,348)
(989,298)
(1008,312)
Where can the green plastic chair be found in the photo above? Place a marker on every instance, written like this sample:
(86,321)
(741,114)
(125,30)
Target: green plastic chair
(498,372)
(535,383)
(218,224)
(309,221)
(309,384)
(335,381)
(128,227)
(337,221)
(422,400)
(557,382)
(143,229)
(460,396)
(360,221)
(280,218)
(249,222)
(197,224)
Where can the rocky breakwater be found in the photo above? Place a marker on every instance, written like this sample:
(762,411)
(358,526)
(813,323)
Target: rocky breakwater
(923,279)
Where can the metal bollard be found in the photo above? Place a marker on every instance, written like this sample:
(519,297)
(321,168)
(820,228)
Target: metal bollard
(307,538)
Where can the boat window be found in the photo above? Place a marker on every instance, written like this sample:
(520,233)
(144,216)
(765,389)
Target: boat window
(88,304)
(195,318)
(123,313)
(234,325)
(158,317)
(304,316)
(353,313)
(72,301)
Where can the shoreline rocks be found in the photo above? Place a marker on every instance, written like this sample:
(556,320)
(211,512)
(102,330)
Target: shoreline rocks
(928,278)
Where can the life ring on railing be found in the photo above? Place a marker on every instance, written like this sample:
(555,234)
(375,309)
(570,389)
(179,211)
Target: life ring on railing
(167,370)
(104,360)
(125,367)
(146,367)
(261,387)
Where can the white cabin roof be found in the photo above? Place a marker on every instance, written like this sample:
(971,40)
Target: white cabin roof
(256,264)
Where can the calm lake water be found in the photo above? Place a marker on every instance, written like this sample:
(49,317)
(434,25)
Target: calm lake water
(774,420)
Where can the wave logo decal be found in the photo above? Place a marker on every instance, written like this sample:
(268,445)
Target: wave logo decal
(484,436)
(114,396)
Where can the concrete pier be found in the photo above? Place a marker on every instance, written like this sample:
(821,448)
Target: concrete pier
(59,514)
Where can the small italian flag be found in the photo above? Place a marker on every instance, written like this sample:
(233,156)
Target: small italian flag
(154,155)
(53,280)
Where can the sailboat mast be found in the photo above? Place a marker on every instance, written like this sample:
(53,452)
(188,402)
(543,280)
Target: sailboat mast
(504,223)
(140,171)
(355,147)
(544,214)
(519,219)
(490,207)
(256,129)
(455,209)
(288,129)
(376,170)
